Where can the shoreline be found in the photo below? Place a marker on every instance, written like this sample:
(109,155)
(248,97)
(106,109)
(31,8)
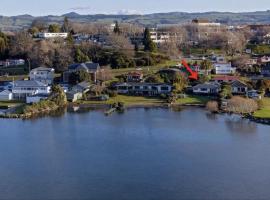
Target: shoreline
(79,106)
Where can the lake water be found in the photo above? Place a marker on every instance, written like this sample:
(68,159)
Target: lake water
(143,154)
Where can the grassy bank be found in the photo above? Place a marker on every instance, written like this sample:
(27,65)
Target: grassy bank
(128,101)
(193,100)
(264,112)
(9,104)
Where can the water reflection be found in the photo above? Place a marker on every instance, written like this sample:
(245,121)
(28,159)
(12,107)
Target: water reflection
(236,124)
(211,116)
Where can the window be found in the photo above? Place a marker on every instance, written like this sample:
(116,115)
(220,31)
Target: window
(165,88)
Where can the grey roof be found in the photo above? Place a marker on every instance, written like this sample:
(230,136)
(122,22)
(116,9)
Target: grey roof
(43,69)
(5,92)
(30,83)
(88,65)
(84,84)
(207,86)
(238,84)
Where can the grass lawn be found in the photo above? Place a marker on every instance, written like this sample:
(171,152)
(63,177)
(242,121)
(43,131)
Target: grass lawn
(265,111)
(193,99)
(145,70)
(10,103)
(129,101)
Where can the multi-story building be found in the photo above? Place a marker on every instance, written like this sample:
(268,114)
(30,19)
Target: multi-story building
(42,74)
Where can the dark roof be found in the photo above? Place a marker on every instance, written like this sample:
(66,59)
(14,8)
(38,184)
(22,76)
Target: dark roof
(238,84)
(207,85)
(88,65)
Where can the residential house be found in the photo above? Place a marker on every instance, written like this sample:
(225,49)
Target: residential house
(6,95)
(134,77)
(82,87)
(253,94)
(42,74)
(146,89)
(12,62)
(74,96)
(206,88)
(22,89)
(266,69)
(239,87)
(92,68)
(224,68)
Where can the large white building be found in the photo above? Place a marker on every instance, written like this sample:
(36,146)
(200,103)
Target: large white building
(23,89)
(42,74)
(52,35)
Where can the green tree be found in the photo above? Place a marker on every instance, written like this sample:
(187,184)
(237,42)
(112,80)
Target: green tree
(70,39)
(3,45)
(179,82)
(149,45)
(33,30)
(79,76)
(66,26)
(155,78)
(116,29)
(206,65)
(58,96)
(80,57)
(54,28)
(226,91)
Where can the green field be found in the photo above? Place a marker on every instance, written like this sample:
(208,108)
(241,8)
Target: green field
(145,70)
(193,99)
(15,70)
(264,112)
(129,101)
(6,104)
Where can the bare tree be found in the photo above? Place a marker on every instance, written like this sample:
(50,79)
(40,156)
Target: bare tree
(242,105)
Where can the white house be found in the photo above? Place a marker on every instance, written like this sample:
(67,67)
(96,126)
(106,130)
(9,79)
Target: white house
(52,35)
(224,68)
(22,89)
(42,74)
(6,95)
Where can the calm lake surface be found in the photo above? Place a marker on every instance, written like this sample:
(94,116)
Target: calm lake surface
(143,154)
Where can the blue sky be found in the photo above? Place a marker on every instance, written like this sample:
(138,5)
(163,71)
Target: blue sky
(38,8)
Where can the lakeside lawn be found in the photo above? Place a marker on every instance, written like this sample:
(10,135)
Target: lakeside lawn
(193,99)
(264,112)
(10,103)
(128,101)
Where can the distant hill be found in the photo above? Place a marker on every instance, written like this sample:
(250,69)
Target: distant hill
(24,21)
